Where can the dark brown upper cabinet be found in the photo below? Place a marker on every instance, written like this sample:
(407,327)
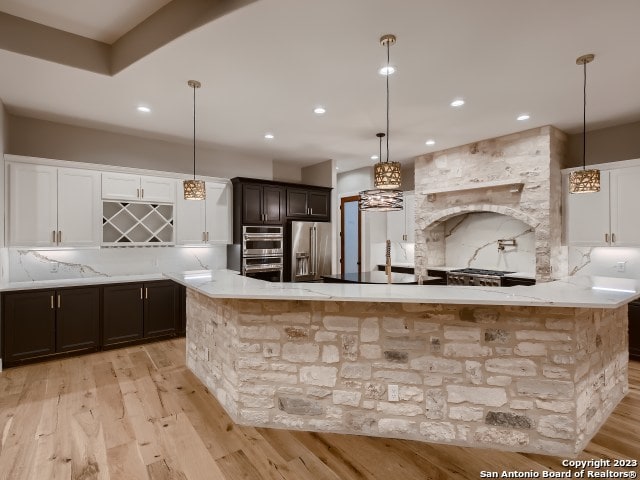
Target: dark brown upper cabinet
(308,204)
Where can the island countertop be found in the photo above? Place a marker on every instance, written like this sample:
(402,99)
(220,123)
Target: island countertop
(580,292)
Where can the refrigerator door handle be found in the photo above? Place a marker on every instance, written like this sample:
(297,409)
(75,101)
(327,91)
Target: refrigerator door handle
(316,261)
(312,251)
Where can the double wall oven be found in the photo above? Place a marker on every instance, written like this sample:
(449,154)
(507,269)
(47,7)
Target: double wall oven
(263,252)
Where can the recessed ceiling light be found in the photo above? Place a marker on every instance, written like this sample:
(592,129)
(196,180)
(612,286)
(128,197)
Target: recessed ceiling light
(144,109)
(387,70)
(457,102)
(430,142)
(268,136)
(374,157)
(319,110)
(523,117)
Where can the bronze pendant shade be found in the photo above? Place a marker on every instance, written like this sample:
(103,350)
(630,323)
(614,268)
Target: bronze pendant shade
(194,189)
(584,181)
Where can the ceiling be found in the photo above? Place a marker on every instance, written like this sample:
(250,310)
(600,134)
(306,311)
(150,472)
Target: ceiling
(264,67)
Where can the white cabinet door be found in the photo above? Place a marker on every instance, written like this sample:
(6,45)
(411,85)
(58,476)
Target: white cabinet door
(32,192)
(586,215)
(410,216)
(625,200)
(190,221)
(219,212)
(395,226)
(79,207)
(157,189)
(120,186)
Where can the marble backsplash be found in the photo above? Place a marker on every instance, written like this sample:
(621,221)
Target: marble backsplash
(621,262)
(471,240)
(22,265)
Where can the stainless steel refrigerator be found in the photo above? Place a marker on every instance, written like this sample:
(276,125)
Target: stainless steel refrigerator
(310,251)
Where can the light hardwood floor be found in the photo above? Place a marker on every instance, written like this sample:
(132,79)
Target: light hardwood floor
(138,413)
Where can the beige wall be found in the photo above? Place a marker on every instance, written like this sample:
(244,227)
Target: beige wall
(287,172)
(611,144)
(40,138)
(322,174)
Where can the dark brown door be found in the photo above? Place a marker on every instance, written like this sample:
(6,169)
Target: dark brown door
(319,204)
(78,319)
(29,320)
(251,204)
(272,205)
(123,313)
(296,203)
(160,309)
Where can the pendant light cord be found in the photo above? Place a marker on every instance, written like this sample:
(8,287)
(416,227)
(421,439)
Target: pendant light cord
(388,74)
(584,118)
(194,132)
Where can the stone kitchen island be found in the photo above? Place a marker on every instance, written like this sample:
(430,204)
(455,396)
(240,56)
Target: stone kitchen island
(531,369)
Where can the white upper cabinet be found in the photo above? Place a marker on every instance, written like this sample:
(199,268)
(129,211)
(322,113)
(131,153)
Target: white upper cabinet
(625,226)
(50,206)
(607,217)
(127,186)
(78,207)
(586,215)
(401,223)
(219,213)
(32,205)
(206,221)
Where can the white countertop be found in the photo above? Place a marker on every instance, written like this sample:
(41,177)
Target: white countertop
(587,292)
(79,282)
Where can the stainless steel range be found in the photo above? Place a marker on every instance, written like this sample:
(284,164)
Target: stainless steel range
(475,276)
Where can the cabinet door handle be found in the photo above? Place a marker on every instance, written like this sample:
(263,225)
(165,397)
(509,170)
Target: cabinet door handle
(53,236)
(52,307)
(142,192)
(58,300)
(59,236)
(140,293)
(137,193)
(207,236)
(613,238)
(146,293)
(606,238)
(310,211)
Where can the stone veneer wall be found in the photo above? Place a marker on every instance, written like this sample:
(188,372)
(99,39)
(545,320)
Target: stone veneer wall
(513,378)
(532,157)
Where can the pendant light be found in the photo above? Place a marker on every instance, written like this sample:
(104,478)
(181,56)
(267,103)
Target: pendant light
(387,195)
(380,200)
(584,181)
(194,189)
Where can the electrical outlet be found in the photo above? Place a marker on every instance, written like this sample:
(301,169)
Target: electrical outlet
(620,266)
(54,267)
(394,395)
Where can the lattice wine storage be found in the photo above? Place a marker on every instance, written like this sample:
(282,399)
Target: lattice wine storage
(133,224)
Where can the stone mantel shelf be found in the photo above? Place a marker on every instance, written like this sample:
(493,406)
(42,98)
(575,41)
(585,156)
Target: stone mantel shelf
(572,292)
(515,187)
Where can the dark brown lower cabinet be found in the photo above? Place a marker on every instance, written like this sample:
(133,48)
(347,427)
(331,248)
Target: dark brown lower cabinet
(160,309)
(634,330)
(78,319)
(133,312)
(48,323)
(122,313)
(42,323)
